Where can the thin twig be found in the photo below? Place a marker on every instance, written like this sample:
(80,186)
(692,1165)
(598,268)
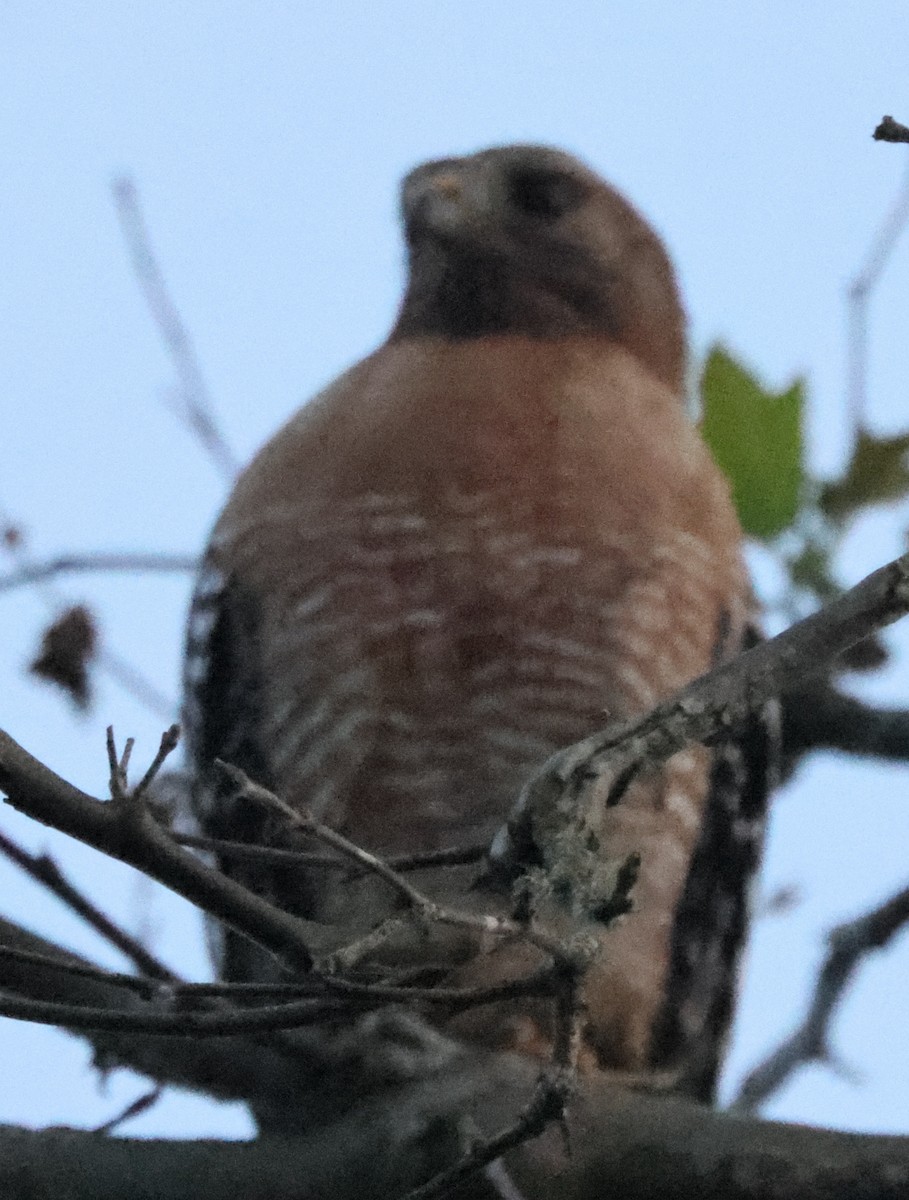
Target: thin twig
(350,956)
(99,563)
(452,857)
(169,742)
(136,983)
(560,949)
(548,1103)
(861,289)
(537,983)
(134,1109)
(42,868)
(248,790)
(252,1069)
(546,1106)
(222,1023)
(305,859)
(848,945)
(131,834)
(196,408)
(321,998)
(253,852)
(117,765)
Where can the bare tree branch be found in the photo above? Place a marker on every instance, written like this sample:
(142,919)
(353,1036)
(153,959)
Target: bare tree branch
(228,1068)
(546,1105)
(135,1108)
(195,408)
(564,952)
(96,563)
(128,832)
(305,859)
(262,1019)
(43,869)
(599,768)
(653,1146)
(73,966)
(848,945)
(291,1081)
(570,958)
(821,717)
(708,707)
(539,983)
(168,1014)
(862,287)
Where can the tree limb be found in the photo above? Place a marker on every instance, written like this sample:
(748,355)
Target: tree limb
(597,769)
(707,708)
(43,869)
(225,1068)
(195,406)
(129,833)
(821,717)
(66,564)
(626,1144)
(848,945)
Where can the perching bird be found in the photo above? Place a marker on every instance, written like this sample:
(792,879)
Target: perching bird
(495,532)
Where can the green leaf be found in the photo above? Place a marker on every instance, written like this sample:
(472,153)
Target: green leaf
(756,438)
(878,472)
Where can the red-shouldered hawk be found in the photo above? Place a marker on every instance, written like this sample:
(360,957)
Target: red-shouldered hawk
(484,538)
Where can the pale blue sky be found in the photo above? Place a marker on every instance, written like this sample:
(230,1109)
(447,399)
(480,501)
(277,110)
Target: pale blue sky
(267,140)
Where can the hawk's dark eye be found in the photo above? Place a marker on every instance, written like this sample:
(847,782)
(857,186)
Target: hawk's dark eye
(540,192)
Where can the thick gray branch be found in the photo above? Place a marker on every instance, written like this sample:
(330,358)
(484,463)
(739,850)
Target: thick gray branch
(626,1144)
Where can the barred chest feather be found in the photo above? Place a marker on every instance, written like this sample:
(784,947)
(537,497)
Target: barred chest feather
(422,665)
(518,579)
(433,577)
